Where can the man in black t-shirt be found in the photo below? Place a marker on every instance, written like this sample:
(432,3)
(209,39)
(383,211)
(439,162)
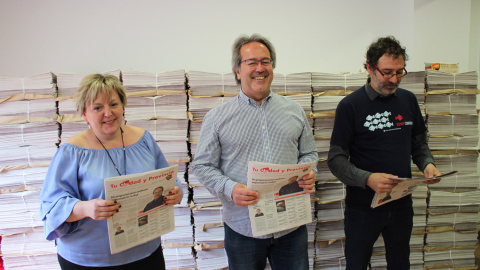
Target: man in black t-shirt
(377,130)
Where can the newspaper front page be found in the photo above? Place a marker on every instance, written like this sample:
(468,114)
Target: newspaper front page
(282,204)
(143,216)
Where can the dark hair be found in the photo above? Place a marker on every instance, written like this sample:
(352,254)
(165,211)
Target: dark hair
(243,40)
(385,45)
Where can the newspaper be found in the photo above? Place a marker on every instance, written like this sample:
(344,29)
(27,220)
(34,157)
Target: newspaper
(282,204)
(402,189)
(143,216)
(445,67)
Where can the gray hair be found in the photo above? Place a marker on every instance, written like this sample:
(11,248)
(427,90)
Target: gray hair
(243,40)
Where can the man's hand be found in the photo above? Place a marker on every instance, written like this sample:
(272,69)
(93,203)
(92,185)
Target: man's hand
(380,182)
(429,172)
(308,182)
(243,196)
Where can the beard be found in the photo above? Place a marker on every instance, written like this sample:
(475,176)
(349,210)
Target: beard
(385,88)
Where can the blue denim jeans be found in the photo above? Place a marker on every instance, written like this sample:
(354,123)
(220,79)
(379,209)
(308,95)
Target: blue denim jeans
(362,228)
(289,252)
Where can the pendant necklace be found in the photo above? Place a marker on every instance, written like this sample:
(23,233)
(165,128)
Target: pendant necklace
(124,155)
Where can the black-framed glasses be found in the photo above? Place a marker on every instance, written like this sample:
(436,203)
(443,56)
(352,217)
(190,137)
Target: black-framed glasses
(389,75)
(253,62)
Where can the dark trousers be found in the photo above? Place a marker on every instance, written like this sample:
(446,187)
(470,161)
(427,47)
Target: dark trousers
(362,228)
(289,252)
(154,262)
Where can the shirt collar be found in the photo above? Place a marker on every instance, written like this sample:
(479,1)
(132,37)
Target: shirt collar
(371,93)
(251,101)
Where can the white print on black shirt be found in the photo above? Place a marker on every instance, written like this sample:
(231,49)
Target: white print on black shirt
(382,121)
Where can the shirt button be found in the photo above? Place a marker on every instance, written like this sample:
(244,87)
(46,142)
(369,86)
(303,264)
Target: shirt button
(263,127)
(266,147)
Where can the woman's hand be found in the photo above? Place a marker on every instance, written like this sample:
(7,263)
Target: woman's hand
(174,196)
(97,209)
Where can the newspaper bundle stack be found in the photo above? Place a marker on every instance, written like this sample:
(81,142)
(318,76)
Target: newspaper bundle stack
(198,107)
(330,207)
(451,226)
(208,84)
(330,256)
(28,138)
(67,84)
(439,80)
(298,83)
(209,231)
(209,237)
(138,83)
(178,244)
(339,84)
(324,113)
(305,100)
(453,131)
(415,83)
(157,102)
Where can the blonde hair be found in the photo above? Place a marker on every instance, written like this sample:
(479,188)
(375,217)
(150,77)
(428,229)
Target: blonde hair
(98,84)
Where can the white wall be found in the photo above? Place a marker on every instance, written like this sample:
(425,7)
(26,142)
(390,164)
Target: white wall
(147,35)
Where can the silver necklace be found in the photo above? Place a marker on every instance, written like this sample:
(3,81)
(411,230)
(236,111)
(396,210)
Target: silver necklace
(124,154)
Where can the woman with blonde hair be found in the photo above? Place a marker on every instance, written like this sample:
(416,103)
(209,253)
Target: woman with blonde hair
(73,208)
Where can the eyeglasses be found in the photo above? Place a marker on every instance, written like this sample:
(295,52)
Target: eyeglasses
(389,75)
(252,62)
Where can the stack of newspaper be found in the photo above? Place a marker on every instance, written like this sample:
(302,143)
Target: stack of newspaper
(298,83)
(28,138)
(439,80)
(342,84)
(140,83)
(26,87)
(415,83)
(203,84)
(452,222)
(326,104)
(178,244)
(209,237)
(199,106)
(305,100)
(208,225)
(67,84)
(330,256)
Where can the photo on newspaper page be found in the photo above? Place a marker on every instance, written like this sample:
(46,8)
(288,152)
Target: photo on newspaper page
(282,204)
(402,189)
(143,216)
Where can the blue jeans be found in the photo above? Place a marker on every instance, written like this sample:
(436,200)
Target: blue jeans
(362,228)
(289,252)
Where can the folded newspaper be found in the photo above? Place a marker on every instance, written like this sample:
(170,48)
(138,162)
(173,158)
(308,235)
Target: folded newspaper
(143,216)
(402,189)
(283,204)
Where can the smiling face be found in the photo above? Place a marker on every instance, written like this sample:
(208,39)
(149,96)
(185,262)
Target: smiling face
(104,115)
(255,81)
(386,64)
